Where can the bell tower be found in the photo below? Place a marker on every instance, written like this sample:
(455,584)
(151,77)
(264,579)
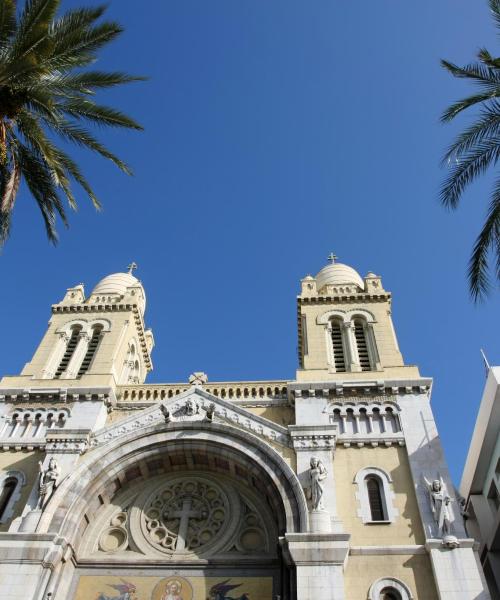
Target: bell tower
(345,328)
(94,341)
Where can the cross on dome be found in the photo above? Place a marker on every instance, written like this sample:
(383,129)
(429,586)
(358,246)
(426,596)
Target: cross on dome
(132,267)
(332,258)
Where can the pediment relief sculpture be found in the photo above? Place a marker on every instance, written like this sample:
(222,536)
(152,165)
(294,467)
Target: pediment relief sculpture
(194,405)
(182,516)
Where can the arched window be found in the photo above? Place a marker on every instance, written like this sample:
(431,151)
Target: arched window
(6,494)
(362,345)
(337,346)
(91,350)
(70,348)
(390,593)
(375,496)
(11,483)
(389,588)
(373,485)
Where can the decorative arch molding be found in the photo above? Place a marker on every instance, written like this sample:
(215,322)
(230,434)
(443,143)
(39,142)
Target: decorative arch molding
(99,475)
(85,325)
(391,583)
(388,496)
(331,314)
(362,313)
(20,478)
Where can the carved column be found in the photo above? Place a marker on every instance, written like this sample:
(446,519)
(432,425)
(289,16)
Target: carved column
(350,347)
(78,356)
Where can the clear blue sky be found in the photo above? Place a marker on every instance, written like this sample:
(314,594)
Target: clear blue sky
(276,132)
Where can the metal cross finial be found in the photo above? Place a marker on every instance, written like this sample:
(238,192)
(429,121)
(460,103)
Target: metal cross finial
(132,267)
(332,258)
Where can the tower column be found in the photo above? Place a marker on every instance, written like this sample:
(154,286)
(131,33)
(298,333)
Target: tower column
(49,371)
(78,356)
(351,348)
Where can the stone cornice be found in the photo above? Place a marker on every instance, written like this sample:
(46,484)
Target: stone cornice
(344,298)
(360,389)
(67,441)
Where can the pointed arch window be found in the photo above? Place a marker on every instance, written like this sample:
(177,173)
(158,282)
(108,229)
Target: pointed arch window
(70,349)
(336,332)
(91,350)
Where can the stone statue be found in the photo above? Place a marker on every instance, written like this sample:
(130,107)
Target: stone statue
(317,473)
(192,407)
(440,501)
(210,412)
(166,413)
(48,482)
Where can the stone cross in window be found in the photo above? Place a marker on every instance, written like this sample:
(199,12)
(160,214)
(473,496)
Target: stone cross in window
(184,514)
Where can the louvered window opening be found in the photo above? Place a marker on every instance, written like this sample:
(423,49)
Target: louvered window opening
(375,499)
(338,348)
(70,348)
(91,350)
(8,489)
(362,346)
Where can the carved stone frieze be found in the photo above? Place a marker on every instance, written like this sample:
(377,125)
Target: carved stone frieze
(313,437)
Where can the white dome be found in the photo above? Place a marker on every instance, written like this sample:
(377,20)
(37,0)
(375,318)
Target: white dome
(338,274)
(117,283)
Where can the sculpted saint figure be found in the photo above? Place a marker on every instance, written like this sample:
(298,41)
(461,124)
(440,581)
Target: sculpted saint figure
(48,482)
(317,473)
(440,501)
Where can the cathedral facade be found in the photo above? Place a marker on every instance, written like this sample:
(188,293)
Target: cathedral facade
(330,486)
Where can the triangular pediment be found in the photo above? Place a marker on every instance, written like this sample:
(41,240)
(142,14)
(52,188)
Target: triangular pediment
(194,405)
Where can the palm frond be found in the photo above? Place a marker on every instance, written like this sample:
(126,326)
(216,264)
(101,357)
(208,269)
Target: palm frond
(82,137)
(33,26)
(466,168)
(7,21)
(9,185)
(486,242)
(487,127)
(481,75)
(42,187)
(66,84)
(495,10)
(452,111)
(102,115)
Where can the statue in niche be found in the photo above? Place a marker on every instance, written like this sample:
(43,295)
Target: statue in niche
(440,501)
(317,474)
(48,482)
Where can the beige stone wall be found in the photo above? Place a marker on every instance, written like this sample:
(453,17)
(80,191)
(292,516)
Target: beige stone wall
(407,528)
(281,415)
(27,462)
(413,570)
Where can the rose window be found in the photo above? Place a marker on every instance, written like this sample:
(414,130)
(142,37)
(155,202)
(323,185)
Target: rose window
(184,515)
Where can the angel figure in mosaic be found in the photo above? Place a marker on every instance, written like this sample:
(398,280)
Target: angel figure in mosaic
(220,590)
(126,591)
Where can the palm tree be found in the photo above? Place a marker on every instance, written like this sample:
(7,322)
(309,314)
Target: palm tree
(470,155)
(46,93)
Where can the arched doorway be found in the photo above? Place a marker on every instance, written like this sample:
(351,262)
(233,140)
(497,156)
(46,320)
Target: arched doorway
(199,508)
